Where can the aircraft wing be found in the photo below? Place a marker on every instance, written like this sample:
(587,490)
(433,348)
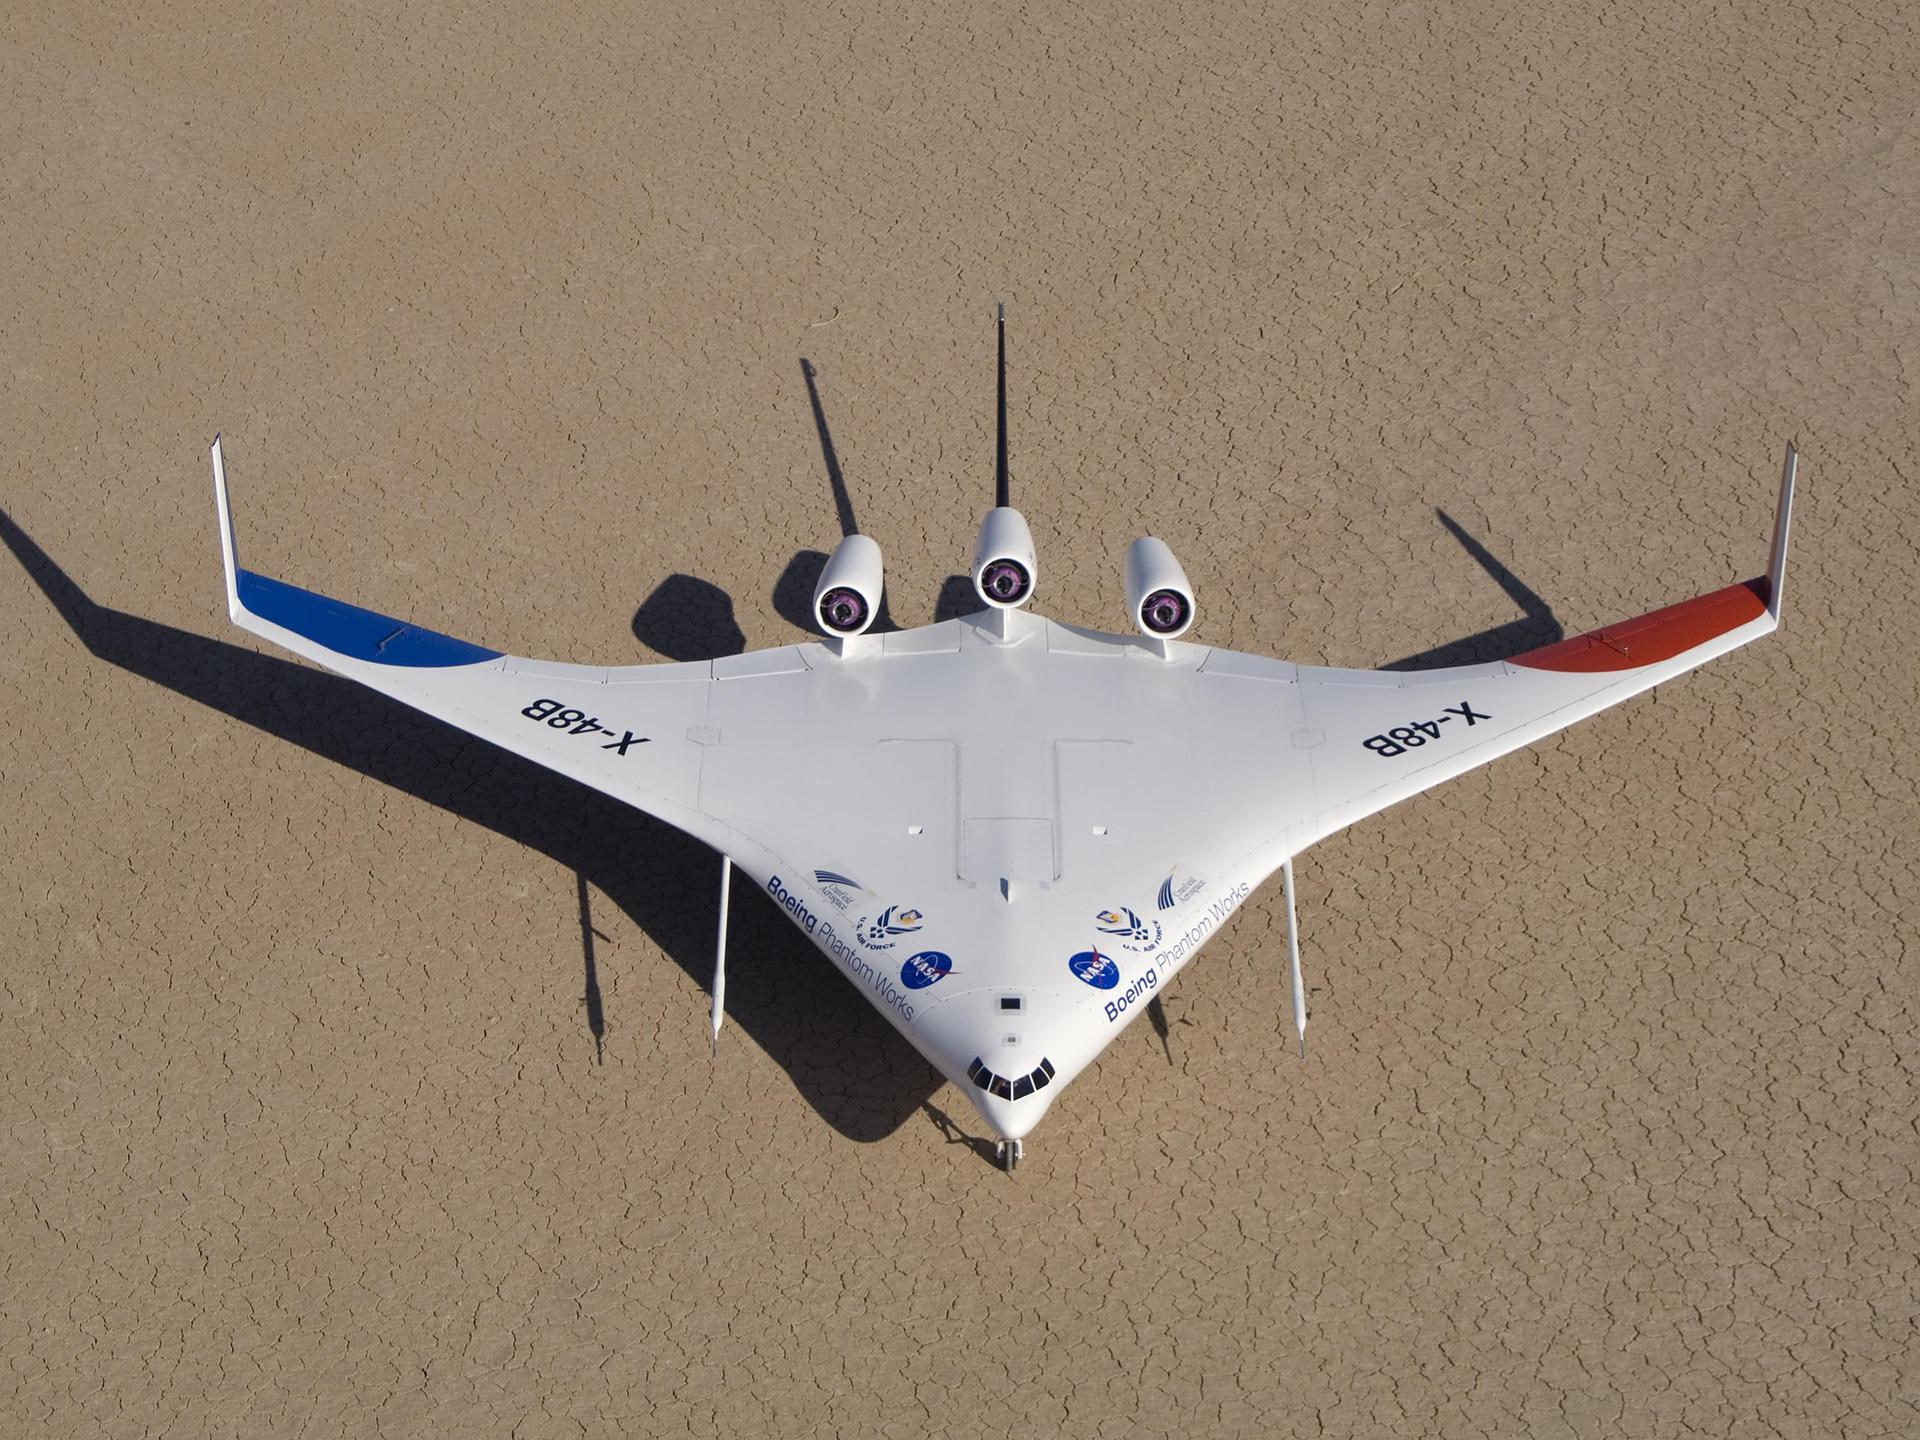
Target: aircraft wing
(632,732)
(1238,758)
(1377,737)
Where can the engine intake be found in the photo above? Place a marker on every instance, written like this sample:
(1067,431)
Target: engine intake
(847,597)
(1003,562)
(1159,597)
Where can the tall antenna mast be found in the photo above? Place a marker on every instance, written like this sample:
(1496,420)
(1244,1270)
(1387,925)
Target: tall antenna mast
(1000,487)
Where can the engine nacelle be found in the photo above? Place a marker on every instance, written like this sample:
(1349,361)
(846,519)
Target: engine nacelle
(1159,597)
(847,597)
(1003,564)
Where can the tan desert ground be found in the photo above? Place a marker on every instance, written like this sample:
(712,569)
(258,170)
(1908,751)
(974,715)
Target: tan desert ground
(354,1076)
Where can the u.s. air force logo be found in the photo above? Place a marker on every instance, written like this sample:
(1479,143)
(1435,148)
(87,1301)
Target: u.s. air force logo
(1133,933)
(883,932)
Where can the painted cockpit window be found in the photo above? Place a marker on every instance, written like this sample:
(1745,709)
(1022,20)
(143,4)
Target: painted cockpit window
(1011,1089)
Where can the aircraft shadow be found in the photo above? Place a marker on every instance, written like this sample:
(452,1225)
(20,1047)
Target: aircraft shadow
(793,595)
(793,592)
(842,501)
(955,1133)
(687,618)
(1537,626)
(849,1064)
(593,1000)
(957,597)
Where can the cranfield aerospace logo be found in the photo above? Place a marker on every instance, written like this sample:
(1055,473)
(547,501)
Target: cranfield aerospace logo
(1090,967)
(840,890)
(929,967)
(883,932)
(1177,889)
(1129,929)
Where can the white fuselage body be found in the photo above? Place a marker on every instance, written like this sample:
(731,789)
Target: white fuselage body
(1063,860)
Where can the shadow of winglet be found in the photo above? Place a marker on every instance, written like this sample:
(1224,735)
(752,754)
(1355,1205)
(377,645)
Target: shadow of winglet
(1537,626)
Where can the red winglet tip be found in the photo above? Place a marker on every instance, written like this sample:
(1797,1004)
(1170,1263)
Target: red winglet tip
(1656,636)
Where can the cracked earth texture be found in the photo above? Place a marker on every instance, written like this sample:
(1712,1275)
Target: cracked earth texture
(1608,1127)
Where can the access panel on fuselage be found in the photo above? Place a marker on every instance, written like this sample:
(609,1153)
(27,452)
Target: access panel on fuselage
(838,768)
(1257,782)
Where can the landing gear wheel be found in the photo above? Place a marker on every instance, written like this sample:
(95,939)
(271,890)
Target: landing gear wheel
(1010,1153)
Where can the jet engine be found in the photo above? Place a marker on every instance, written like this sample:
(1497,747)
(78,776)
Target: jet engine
(1159,598)
(848,595)
(1003,566)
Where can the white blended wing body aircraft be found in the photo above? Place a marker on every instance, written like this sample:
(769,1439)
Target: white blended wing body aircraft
(1008,833)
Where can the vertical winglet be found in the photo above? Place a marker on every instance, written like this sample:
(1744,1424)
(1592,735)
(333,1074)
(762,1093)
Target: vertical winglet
(227,552)
(1783,518)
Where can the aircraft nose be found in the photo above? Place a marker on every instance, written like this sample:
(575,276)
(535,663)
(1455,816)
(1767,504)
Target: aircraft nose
(1011,1104)
(1011,1049)
(1008,1120)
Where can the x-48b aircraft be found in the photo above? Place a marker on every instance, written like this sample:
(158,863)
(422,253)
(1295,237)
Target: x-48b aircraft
(1008,833)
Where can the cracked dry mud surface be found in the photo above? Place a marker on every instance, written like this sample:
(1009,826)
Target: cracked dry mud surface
(1608,1127)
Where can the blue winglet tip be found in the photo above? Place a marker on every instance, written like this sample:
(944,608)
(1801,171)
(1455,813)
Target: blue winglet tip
(351,631)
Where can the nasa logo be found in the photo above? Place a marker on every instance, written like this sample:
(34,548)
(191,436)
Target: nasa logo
(1133,933)
(1090,967)
(884,930)
(927,968)
(839,889)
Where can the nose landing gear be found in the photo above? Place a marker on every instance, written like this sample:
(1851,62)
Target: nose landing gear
(1009,1153)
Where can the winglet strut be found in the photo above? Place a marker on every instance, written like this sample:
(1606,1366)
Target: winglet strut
(718,1013)
(1000,483)
(228,555)
(1782,520)
(1293,961)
